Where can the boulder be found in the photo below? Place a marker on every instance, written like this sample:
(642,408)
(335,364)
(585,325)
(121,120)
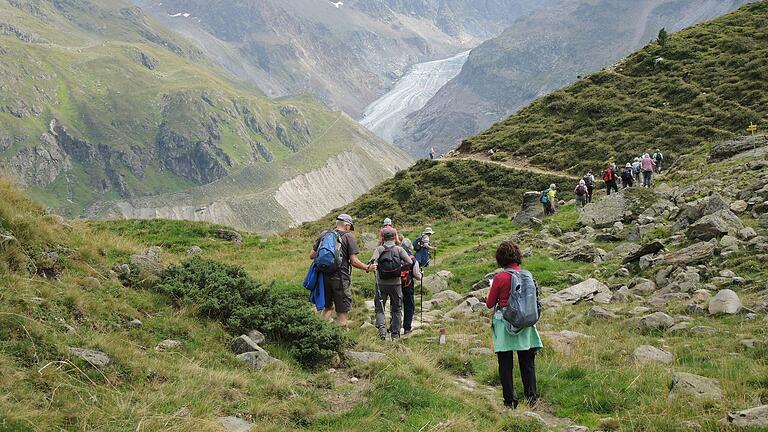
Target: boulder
(621,295)
(698,252)
(229,235)
(583,251)
(257,337)
(694,211)
(656,321)
(257,359)
(589,290)
(531,210)
(605,213)
(739,206)
(563,341)
(95,358)
(747,233)
(642,286)
(437,282)
(624,250)
(447,295)
(235,424)
(167,344)
(148,262)
(695,386)
(752,417)
(741,144)
(715,225)
(467,306)
(650,354)
(243,344)
(725,302)
(648,249)
(600,313)
(365,357)
(134,324)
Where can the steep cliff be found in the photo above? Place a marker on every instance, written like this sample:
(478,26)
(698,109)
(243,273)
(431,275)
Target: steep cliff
(540,53)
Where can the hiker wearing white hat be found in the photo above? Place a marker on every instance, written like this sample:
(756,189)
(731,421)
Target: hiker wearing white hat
(388,225)
(422,247)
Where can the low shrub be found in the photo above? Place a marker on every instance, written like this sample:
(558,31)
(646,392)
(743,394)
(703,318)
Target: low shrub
(229,295)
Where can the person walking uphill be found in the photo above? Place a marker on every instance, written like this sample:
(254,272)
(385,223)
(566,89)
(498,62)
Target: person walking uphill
(589,179)
(548,199)
(506,342)
(648,166)
(627,177)
(390,260)
(335,253)
(422,247)
(609,177)
(388,224)
(408,279)
(658,158)
(582,194)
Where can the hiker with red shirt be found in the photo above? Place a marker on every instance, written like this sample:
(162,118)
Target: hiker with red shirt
(610,176)
(388,225)
(505,343)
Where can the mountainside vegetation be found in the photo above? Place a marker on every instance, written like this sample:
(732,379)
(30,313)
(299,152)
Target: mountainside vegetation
(705,84)
(540,53)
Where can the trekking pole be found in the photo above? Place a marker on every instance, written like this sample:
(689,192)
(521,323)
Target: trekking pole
(421,300)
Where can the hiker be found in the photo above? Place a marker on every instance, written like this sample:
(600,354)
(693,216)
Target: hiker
(636,169)
(505,341)
(609,177)
(589,179)
(422,247)
(335,253)
(658,158)
(582,194)
(408,279)
(390,260)
(648,166)
(548,198)
(432,153)
(388,224)
(627,176)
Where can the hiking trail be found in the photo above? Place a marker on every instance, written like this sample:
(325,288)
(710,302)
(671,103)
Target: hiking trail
(515,164)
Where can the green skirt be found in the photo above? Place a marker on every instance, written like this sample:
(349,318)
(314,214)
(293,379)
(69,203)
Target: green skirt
(503,340)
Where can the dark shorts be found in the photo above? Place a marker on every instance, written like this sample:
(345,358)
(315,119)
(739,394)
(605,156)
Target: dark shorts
(338,293)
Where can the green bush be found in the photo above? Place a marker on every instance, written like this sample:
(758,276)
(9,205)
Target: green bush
(229,295)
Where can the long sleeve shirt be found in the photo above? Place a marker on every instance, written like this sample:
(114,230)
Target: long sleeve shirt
(500,287)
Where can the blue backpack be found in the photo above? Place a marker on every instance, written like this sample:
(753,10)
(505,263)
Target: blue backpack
(328,258)
(544,198)
(523,309)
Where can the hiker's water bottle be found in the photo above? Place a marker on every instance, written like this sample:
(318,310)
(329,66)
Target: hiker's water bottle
(442,336)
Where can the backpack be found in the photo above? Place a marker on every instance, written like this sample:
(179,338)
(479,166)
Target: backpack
(589,180)
(636,167)
(406,275)
(658,156)
(418,244)
(389,263)
(608,175)
(523,308)
(581,190)
(544,198)
(329,254)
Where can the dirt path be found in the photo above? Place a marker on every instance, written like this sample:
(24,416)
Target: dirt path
(517,164)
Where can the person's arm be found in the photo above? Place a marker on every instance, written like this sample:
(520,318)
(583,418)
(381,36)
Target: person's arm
(376,254)
(417,271)
(404,257)
(356,263)
(493,295)
(313,254)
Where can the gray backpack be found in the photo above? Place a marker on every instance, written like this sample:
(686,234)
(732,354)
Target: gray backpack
(523,308)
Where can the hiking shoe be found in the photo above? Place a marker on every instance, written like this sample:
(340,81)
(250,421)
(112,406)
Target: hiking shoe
(382,334)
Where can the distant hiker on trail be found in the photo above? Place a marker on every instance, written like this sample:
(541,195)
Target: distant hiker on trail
(335,253)
(508,338)
(408,279)
(388,224)
(582,194)
(422,247)
(390,260)
(658,158)
(636,169)
(648,166)
(609,177)
(627,176)
(589,179)
(432,153)
(548,199)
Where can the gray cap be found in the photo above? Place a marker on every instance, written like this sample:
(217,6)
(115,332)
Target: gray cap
(388,234)
(387,221)
(346,219)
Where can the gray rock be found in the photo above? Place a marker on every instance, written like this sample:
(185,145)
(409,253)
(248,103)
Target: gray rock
(694,386)
(95,358)
(752,417)
(605,213)
(600,313)
(134,324)
(229,235)
(531,209)
(167,344)
(656,321)
(574,278)
(467,306)
(642,286)
(257,359)
(621,295)
(437,282)
(698,252)
(589,290)
(625,249)
(678,328)
(448,296)
(235,424)
(257,337)
(564,341)
(739,206)
(715,225)
(583,251)
(480,351)
(725,302)
(194,250)
(364,356)
(706,206)
(243,344)
(648,249)
(148,262)
(650,354)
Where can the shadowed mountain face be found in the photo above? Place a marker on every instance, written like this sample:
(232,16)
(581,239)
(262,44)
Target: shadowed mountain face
(540,53)
(105,112)
(346,53)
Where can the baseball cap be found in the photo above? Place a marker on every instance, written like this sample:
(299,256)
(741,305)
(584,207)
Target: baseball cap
(346,219)
(387,221)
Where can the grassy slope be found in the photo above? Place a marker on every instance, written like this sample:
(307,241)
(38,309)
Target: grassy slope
(710,85)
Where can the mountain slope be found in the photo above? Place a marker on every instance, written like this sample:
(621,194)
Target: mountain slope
(706,83)
(540,53)
(100,103)
(346,53)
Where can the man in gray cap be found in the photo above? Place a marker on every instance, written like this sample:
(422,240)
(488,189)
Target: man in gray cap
(337,285)
(390,260)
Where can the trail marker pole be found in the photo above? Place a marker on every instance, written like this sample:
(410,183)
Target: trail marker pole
(752,128)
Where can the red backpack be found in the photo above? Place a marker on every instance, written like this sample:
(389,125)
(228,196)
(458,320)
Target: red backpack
(406,275)
(608,175)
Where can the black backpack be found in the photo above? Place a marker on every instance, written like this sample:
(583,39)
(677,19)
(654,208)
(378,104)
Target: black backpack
(418,244)
(389,263)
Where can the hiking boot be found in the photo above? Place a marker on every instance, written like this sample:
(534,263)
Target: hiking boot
(382,334)
(405,332)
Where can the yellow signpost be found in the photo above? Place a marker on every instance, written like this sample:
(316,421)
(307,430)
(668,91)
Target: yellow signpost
(752,128)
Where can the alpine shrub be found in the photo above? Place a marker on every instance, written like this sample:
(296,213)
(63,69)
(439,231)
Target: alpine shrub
(229,295)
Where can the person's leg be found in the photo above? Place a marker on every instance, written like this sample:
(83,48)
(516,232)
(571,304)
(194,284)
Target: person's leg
(396,296)
(409,308)
(608,187)
(330,286)
(615,186)
(506,368)
(378,305)
(343,300)
(527,363)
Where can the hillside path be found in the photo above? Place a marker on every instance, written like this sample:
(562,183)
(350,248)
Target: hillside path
(516,164)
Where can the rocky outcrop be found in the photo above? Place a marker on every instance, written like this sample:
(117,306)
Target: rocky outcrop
(752,417)
(589,290)
(729,148)
(608,211)
(695,253)
(651,354)
(715,225)
(531,211)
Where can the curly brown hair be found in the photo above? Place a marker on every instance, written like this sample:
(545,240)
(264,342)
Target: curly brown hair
(508,253)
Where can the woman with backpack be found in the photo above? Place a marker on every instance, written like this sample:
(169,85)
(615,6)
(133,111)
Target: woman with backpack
(390,260)
(627,177)
(506,339)
(582,194)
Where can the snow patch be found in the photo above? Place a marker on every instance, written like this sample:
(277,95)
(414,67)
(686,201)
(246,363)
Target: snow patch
(337,4)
